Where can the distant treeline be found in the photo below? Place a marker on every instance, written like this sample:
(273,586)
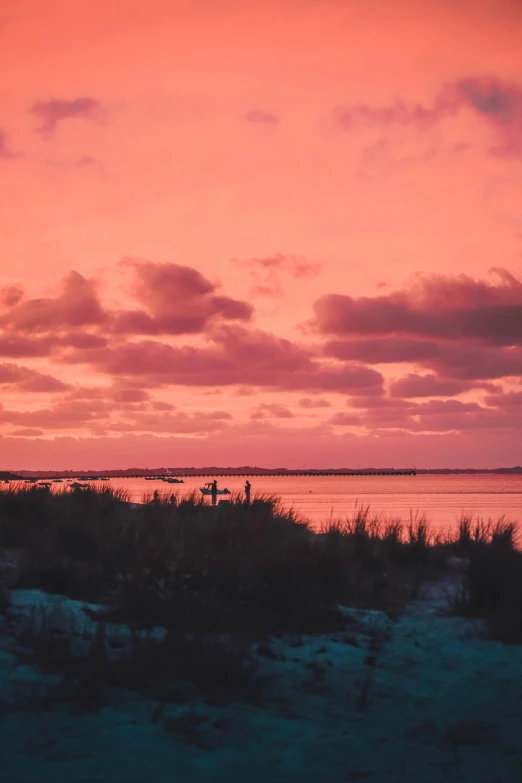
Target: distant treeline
(245,470)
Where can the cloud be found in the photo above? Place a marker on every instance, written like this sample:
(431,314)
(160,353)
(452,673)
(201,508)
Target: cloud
(178,300)
(397,113)
(267,272)
(260,117)
(414,385)
(197,423)
(161,405)
(308,403)
(460,332)
(264,350)
(344,379)
(298,267)
(86,160)
(507,400)
(476,362)
(497,102)
(52,112)
(130,395)
(80,339)
(5,152)
(10,295)
(275,410)
(446,308)
(464,360)
(435,407)
(116,413)
(456,327)
(371,401)
(74,326)
(384,414)
(24,379)
(77,305)
(66,414)
(28,432)
(500,104)
(382,351)
(344,420)
(14,346)
(238,356)
(123,395)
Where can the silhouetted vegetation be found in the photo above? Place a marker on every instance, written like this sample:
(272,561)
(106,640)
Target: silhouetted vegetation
(241,568)
(492,582)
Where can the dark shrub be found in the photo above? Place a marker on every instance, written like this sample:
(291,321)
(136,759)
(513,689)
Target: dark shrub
(492,588)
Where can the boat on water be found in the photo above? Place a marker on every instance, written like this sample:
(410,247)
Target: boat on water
(170,479)
(103,478)
(207,490)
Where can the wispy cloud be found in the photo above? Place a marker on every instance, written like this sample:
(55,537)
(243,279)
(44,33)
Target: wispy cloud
(52,112)
(260,117)
(268,273)
(493,100)
(6,152)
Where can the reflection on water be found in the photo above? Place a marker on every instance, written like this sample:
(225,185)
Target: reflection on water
(441,498)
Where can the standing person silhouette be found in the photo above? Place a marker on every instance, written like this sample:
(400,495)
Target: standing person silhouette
(214,492)
(247,491)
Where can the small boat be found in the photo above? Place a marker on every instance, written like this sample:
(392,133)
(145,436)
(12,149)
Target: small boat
(170,479)
(208,491)
(103,478)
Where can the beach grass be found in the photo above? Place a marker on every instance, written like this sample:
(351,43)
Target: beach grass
(247,568)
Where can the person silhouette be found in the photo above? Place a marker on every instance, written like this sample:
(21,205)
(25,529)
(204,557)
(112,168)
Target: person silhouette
(247,491)
(214,492)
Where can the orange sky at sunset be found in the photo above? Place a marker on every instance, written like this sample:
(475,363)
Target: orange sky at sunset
(274,232)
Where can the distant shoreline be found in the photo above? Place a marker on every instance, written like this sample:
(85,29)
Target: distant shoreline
(247,470)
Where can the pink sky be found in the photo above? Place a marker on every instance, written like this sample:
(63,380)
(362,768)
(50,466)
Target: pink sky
(275,232)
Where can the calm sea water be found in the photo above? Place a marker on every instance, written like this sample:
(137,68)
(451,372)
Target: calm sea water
(317,499)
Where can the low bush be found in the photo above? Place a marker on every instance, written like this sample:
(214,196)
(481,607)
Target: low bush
(492,585)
